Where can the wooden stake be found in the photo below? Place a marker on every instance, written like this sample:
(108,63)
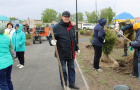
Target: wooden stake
(57,55)
(122,35)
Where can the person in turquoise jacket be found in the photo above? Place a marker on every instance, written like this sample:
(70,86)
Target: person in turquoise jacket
(6,60)
(18,41)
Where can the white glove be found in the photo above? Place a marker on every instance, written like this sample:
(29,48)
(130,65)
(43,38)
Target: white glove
(78,52)
(53,42)
(104,41)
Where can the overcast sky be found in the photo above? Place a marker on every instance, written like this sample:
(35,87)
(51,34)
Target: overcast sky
(23,9)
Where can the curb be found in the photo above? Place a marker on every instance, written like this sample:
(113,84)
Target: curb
(85,82)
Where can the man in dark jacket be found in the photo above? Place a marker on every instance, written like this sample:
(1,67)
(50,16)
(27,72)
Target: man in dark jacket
(97,42)
(129,33)
(135,44)
(66,44)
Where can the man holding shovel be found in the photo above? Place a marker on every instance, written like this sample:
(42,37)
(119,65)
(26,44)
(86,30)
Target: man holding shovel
(135,44)
(128,33)
(64,34)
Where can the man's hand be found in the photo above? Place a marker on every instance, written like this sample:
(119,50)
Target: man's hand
(53,42)
(78,52)
(130,43)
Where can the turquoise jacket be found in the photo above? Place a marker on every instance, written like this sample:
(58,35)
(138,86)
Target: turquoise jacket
(6,49)
(18,40)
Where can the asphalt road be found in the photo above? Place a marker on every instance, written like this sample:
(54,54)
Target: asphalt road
(41,71)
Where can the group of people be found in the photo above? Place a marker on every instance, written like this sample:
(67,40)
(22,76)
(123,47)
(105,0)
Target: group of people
(11,40)
(14,40)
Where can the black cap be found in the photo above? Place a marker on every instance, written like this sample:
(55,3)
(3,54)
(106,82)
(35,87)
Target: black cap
(66,13)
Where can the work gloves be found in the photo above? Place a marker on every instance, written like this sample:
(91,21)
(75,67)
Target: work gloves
(131,48)
(78,52)
(104,41)
(53,42)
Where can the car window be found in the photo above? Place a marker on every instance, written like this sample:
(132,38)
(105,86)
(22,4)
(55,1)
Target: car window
(87,25)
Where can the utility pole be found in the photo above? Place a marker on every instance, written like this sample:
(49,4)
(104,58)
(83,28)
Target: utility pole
(76,24)
(96,10)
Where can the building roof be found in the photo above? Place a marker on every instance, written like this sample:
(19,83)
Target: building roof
(124,15)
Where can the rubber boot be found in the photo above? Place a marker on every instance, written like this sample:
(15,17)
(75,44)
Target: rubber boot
(125,54)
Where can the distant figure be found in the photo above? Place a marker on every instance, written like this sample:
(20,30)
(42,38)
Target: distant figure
(26,29)
(117,25)
(53,25)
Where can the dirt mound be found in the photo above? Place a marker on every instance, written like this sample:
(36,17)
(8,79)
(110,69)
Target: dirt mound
(125,66)
(108,62)
(119,44)
(89,46)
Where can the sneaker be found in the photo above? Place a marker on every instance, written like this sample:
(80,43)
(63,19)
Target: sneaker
(67,88)
(18,65)
(133,76)
(74,87)
(99,70)
(16,58)
(21,66)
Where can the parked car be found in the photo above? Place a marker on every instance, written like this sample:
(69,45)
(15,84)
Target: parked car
(88,25)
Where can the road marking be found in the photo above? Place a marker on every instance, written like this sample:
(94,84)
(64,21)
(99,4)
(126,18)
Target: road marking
(85,82)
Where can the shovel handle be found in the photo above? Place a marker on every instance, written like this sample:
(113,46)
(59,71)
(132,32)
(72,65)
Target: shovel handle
(57,55)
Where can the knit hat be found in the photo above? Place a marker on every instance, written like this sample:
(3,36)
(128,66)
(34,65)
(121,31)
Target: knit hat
(17,25)
(128,21)
(2,28)
(66,13)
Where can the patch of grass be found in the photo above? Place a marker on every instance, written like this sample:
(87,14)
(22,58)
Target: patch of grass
(109,73)
(99,81)
(103,83)
(115,78)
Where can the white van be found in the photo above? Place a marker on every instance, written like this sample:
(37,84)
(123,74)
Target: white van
(88,25)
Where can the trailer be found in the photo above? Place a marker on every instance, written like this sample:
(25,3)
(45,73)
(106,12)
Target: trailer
(39,32)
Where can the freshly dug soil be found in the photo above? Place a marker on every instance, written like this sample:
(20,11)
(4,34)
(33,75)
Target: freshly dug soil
(119,44)
(125,67)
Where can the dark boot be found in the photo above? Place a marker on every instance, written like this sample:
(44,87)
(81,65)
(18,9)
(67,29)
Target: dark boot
(125,54)
(74,87)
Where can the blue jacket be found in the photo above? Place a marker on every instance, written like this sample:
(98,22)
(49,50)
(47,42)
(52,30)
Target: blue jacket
(18,40)
(99,33)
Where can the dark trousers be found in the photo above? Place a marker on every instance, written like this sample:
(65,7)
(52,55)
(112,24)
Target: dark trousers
(97,56)
(71,71)
(5,79)
(20,56)
(135,64)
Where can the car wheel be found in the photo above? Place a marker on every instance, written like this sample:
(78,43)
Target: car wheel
(33,40)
